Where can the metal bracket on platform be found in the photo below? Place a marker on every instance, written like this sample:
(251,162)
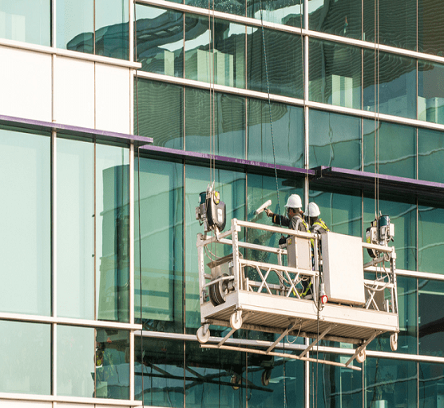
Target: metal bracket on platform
(289,329)
(313,343)
(362,347)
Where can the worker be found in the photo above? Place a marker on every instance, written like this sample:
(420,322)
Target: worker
(317,226)
(295,218)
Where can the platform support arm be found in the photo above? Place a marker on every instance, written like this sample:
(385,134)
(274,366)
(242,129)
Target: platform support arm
(287,330)
(362,347)
(314,342)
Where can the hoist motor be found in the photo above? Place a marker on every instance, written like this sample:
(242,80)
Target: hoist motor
(381,232)
(211,210)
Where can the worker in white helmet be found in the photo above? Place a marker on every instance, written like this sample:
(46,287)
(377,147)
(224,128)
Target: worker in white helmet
(312,213)
(294,219)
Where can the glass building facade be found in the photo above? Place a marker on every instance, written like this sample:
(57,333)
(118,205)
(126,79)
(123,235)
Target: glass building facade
(115,115)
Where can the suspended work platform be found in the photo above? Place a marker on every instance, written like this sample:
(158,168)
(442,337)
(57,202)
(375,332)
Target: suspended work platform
(240,291)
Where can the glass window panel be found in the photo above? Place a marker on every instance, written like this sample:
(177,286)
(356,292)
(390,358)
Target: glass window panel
(25,357)
(407,313)
(75,25)
(225,112)
(159,40)
(335,74)
(75,229)
(163,372)
(281,72)
(390,383)
(215,51)
(430,28)
(226,6)
(75,361)
(430,92)
(430,239)
(335,140)
(287,123)
(231,186)
(339,17)
(289,13)
(25,183)
(112,28)
(112,232)
(158,113)
(430,155)
(395,90)
(431,392)
(396,23)
(26,20)
(431,317)
(397,149)
(161,246)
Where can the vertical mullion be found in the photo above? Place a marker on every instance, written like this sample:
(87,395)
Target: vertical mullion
(54,259)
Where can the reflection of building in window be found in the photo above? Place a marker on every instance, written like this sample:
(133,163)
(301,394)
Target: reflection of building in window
(431,109)
(201,62)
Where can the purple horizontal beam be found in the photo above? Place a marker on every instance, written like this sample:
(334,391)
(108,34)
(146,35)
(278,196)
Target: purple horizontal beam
(77,130)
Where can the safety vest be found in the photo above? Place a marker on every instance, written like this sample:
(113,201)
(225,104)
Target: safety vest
(322,224)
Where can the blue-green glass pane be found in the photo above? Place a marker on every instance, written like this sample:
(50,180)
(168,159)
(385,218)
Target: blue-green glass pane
(335,140)
(287,124)
(215,51)
(397,149)
(112,28)
(226,6)
(393,89)
(75,25)
(390,383)
(25,183)
(75,229)
(26,20)
(277,66)
(342,213)
(225,112)
(158,112)
(159,40)
(430,239)
(25,358)
(431,394)
(339,17)
(160,379)
(158,245)
(396,22)
(335,74)
(430,317)
(231,186)
(75,361)
(279,12)
(112,233)
(430,155)
(112,363)
(430,34)
(430,92)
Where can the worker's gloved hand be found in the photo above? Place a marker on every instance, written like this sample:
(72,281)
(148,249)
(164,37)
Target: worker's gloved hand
(282,240)
(268,212)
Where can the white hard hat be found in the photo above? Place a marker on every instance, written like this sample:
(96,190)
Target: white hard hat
(294,201)
(312,210)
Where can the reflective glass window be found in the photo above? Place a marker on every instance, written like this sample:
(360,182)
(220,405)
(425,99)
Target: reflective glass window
(75,229)
(335,140)
(390,383)
(25,183)
(25,357)
(430,92)
(430,29)
(75,25)
(339,17)
(287,124)
(159,40)
(158,112)
(394,92)
(396,155)
(289,13)
(430,385)
(158,245)
(430,155)
(26,20)
(226,6)
(335,74)
(231,186)
(430,239)
(112,28)
(214,51)
(278,69)
(214,123)
(430,317)
(112,232)
(407,313)
(395,25)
